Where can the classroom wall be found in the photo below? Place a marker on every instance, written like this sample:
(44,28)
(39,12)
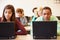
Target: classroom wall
(28,5)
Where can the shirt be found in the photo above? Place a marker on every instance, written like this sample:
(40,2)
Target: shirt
(52,18)
(18,26)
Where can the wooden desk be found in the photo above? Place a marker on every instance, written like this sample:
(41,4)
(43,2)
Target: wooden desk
(29,37)
(28,28)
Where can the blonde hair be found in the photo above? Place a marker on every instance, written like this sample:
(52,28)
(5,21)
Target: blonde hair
(40,8)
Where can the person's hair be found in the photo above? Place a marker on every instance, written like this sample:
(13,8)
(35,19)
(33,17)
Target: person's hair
(47,8)
(13,12)
(34,9)
(19,10)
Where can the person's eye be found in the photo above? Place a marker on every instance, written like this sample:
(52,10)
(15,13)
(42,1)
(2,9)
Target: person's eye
(44,13)
(5,12)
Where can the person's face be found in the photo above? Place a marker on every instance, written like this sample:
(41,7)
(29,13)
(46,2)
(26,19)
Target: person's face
(19,14)
(35,11)
(39,13)
(7,14)
(46,14)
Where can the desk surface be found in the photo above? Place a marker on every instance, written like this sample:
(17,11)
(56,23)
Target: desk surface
(28,28)
(29,37)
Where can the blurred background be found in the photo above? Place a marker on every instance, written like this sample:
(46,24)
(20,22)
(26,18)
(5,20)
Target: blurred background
(28,5)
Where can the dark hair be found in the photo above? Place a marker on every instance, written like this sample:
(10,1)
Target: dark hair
(13,12)
(34,9)
(19,10)
(47,8)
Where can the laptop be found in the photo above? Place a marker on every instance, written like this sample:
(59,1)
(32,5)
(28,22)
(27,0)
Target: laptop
(7,30)
(44,29)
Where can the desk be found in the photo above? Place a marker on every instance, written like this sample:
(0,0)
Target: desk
(28,28)
(29,37)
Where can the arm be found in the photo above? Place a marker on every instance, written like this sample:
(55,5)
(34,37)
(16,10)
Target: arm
(21,27)
(25,20)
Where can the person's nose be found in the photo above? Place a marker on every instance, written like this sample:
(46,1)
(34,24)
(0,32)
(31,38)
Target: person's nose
(46,15)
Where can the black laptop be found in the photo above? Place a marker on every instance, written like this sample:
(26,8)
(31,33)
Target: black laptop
(44,29)
(7,30)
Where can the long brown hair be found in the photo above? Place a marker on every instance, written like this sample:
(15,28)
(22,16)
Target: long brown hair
(13,13)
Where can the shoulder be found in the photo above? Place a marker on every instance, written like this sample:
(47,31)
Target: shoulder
(33,17)
(24,17)
(39,18)
(16,20)
(1,19)
(54,18)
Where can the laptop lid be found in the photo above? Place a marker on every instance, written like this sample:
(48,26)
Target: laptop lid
(44,29)
(7,30)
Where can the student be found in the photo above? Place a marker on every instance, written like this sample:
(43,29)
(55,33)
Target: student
(47,16)
(9,16)
(34,17)
(40,11)
(37,13)
(21,17)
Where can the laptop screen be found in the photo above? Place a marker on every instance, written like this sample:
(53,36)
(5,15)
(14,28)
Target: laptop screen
(44,29)
(7,29)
